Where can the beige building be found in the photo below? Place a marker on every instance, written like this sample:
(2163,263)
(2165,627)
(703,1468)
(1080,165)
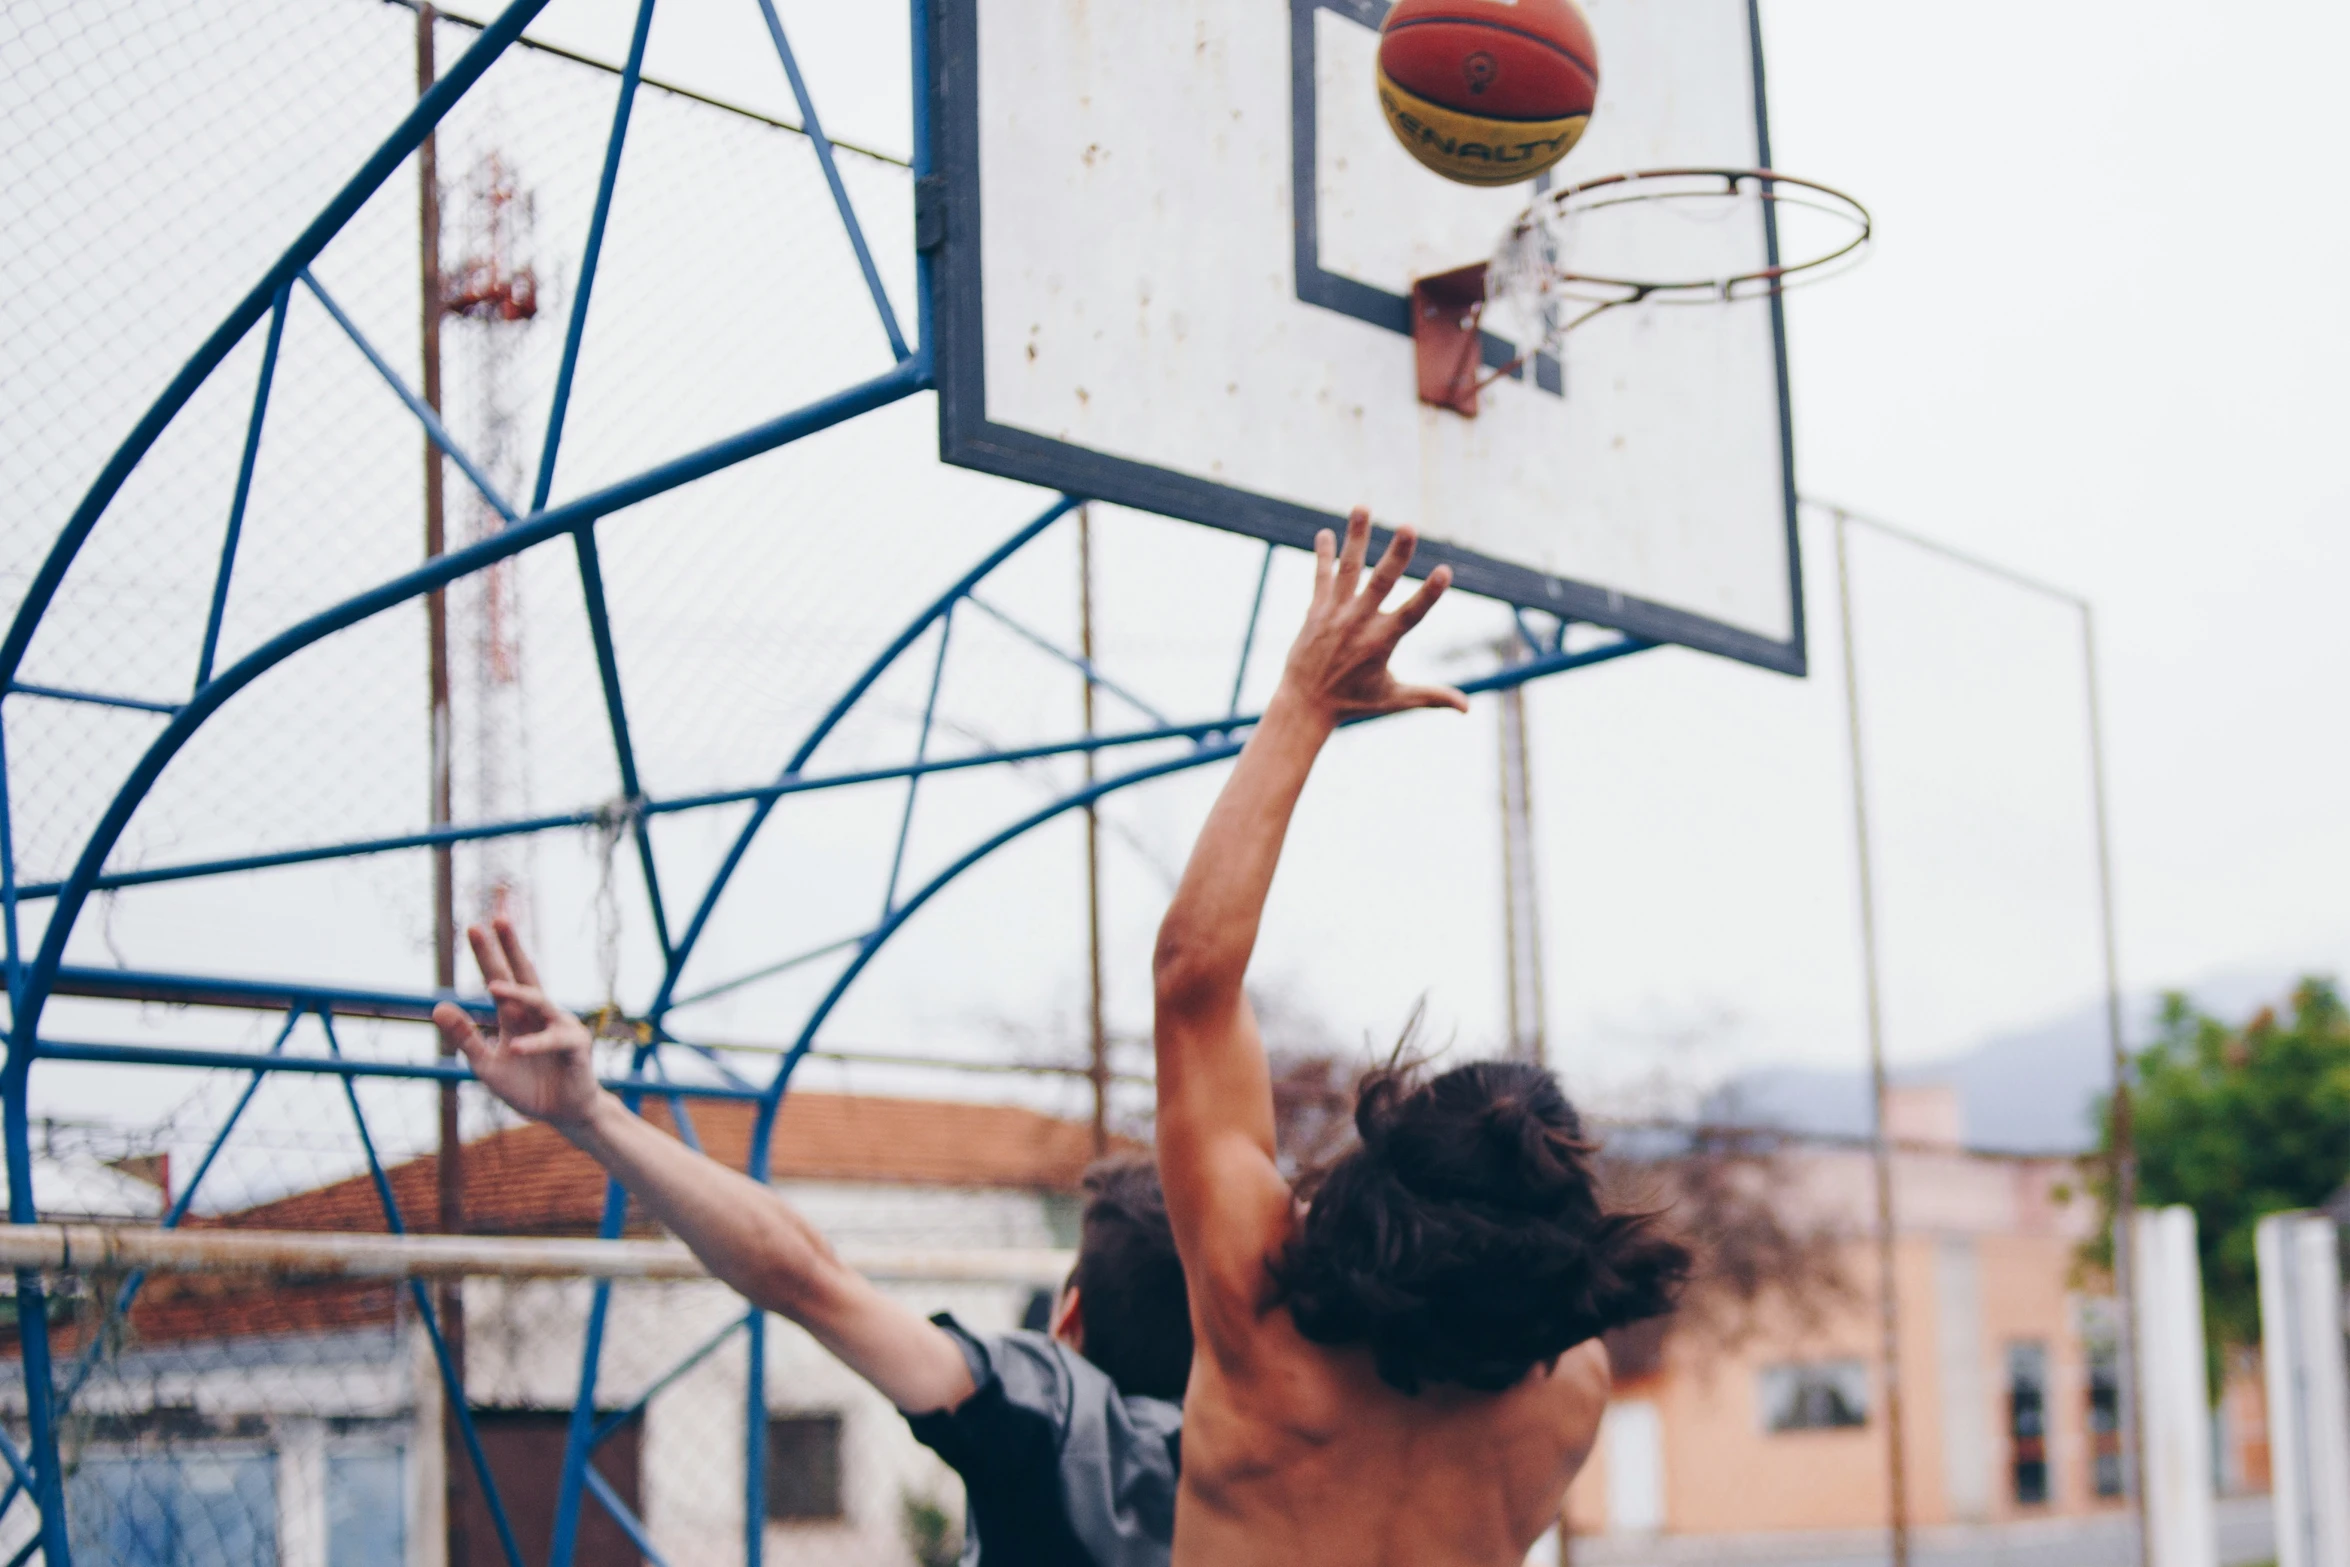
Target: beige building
(2007,1385)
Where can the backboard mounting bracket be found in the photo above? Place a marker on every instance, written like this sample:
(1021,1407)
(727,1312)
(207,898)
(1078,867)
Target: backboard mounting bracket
(1447,344)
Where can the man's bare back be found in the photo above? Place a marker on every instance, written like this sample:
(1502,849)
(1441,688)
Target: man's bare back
(1407,1368)
(1313,1459)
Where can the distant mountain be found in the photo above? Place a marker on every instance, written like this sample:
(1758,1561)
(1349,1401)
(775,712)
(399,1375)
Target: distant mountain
(2032,1091)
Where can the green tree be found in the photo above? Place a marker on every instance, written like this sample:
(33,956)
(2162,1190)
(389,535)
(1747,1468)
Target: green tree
(2237,1123)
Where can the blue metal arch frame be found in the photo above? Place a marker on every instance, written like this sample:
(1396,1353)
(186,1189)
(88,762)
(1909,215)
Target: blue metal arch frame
(31,983)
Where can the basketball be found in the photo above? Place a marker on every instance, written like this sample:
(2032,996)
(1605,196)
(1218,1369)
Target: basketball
(1487,92)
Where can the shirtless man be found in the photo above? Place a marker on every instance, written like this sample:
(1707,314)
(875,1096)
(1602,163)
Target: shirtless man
(1404,1366)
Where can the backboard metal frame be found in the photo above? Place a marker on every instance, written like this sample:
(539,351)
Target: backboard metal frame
(969,438)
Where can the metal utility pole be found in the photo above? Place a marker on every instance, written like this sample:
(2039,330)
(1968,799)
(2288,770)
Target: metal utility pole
(1098,1062)
(2124,1159)
(2122,1166)
(1881,1142)
(1521,906)
(449,1157)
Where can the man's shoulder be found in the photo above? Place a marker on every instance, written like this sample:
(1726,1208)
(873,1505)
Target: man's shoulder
(1036,1371)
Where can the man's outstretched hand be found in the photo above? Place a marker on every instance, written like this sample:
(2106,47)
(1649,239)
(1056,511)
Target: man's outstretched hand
(541,1061)
(1338,665)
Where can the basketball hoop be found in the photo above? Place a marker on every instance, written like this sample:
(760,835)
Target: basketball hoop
(1570,257)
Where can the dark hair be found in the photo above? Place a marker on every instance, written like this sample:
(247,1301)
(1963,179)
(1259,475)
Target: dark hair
(1130,1281)
(1464,1239)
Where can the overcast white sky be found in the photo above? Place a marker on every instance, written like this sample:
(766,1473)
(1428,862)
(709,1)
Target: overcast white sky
(2099,340)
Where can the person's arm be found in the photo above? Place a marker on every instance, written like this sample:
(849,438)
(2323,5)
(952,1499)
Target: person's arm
(1229,1205)
(540,1063)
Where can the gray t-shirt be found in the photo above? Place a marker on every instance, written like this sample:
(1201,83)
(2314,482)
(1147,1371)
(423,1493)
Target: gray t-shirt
(1059,1468)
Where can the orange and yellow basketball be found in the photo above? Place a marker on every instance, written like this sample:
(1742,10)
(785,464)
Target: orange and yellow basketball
(1487,92)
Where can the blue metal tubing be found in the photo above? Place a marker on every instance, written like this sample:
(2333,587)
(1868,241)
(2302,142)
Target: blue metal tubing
(1248,638)
(379,166)
(755,1403)
(8,892)
(453,1386)
(416,405)
(824,727)
(17,1465)
(630,1525)
(432,838)
(32,1320)
(241,1060)
(187,1196)
(205,990)
(577,1438)
(559,409)
(686,1133)
(583,1407)
(136,704)
(599,617)
(887,388)
(1083,666)
(236,509)
(789,784)
(1552,664)
(591,571)
(938,670)
(840,193)
(22,1472)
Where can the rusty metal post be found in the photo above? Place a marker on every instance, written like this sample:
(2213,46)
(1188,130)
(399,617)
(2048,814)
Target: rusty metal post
(449,1160)
(1098,1061)
(1881,1142)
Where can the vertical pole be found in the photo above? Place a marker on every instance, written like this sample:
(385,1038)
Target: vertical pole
(1521,911)
(449,1159)
(1880,1142)
(1098,1068)
(2123,1137)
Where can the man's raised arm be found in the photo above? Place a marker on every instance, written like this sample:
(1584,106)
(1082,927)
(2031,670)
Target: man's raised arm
(1215,1129)
(540,1063)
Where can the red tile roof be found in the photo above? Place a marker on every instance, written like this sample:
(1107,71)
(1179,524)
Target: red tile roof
(526,1180)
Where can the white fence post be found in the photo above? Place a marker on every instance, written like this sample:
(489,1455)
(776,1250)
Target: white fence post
(2308,1391)
(2181,1524)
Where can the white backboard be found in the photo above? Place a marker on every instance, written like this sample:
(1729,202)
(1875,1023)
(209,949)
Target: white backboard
(1177,246)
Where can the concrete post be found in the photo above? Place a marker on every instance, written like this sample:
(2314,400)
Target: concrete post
(2308,1391)
(2181,1525)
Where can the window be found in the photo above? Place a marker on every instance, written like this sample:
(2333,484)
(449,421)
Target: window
(2105,1418)
(1822,1395)
(366,1510)
(803,1468)
(194,1508)
(2027,1421)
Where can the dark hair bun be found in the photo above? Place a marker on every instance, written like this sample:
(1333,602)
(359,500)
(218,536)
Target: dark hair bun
(1464,1240)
